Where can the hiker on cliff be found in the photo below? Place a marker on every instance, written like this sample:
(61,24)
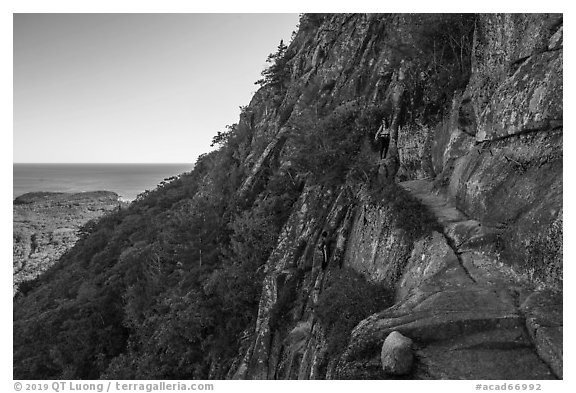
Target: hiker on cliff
(383,137)
(324,247)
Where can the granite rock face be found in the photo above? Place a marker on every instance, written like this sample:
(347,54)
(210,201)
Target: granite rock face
(452,239)
(501,43)
(477,284)
(458,302)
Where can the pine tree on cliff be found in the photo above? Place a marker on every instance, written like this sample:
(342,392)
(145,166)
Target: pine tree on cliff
(278,72)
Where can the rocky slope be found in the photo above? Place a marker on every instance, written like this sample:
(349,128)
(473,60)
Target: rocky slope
(45,225)
(297,248)
(486,283)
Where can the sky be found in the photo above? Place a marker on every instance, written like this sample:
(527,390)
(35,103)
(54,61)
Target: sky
(134,88)
(160,86)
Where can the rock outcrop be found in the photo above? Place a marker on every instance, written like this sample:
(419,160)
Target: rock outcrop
(478,286)
(458,300)
(298,250)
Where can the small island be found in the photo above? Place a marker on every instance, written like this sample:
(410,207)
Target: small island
(46,224)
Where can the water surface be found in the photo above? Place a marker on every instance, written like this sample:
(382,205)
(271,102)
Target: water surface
(127,180)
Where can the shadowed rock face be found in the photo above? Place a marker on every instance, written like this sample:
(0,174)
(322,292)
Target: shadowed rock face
(458,302)
(454,239)
(501,43)
(530,100)
(479,293)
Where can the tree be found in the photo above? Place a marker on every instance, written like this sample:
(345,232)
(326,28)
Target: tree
(278,73)
(222,137)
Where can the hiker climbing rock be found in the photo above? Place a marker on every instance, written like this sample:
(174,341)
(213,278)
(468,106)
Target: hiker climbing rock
(383,137)
(324,247)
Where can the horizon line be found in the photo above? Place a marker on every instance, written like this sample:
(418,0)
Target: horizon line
(107,163)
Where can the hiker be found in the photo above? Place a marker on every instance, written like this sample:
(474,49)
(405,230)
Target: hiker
(323,246)
(383,136)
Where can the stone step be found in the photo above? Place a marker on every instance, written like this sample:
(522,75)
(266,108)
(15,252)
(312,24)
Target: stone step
(543,312)
(466,236)
(465,333)
(476,246)
(445,211)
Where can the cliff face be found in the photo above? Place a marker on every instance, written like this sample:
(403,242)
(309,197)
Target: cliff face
(296,248)
(479,150)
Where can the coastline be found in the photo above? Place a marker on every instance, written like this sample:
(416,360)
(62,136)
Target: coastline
(127,180)
(47,224)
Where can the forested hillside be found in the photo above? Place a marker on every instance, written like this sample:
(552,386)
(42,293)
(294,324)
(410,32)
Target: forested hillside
(300,243)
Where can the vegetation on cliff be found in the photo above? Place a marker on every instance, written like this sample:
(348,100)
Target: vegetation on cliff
(195,279)
(161,289)
(167,287)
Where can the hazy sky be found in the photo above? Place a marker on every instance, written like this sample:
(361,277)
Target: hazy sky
(134,87)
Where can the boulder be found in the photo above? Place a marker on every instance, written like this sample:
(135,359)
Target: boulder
(397,356)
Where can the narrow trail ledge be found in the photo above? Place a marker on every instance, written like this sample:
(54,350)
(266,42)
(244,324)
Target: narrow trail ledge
(464,304)
(284,253)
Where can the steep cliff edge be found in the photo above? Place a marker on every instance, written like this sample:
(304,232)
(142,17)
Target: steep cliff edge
(490,148)
(297,247)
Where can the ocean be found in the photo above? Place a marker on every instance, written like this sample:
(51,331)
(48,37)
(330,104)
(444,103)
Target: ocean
(127,180)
